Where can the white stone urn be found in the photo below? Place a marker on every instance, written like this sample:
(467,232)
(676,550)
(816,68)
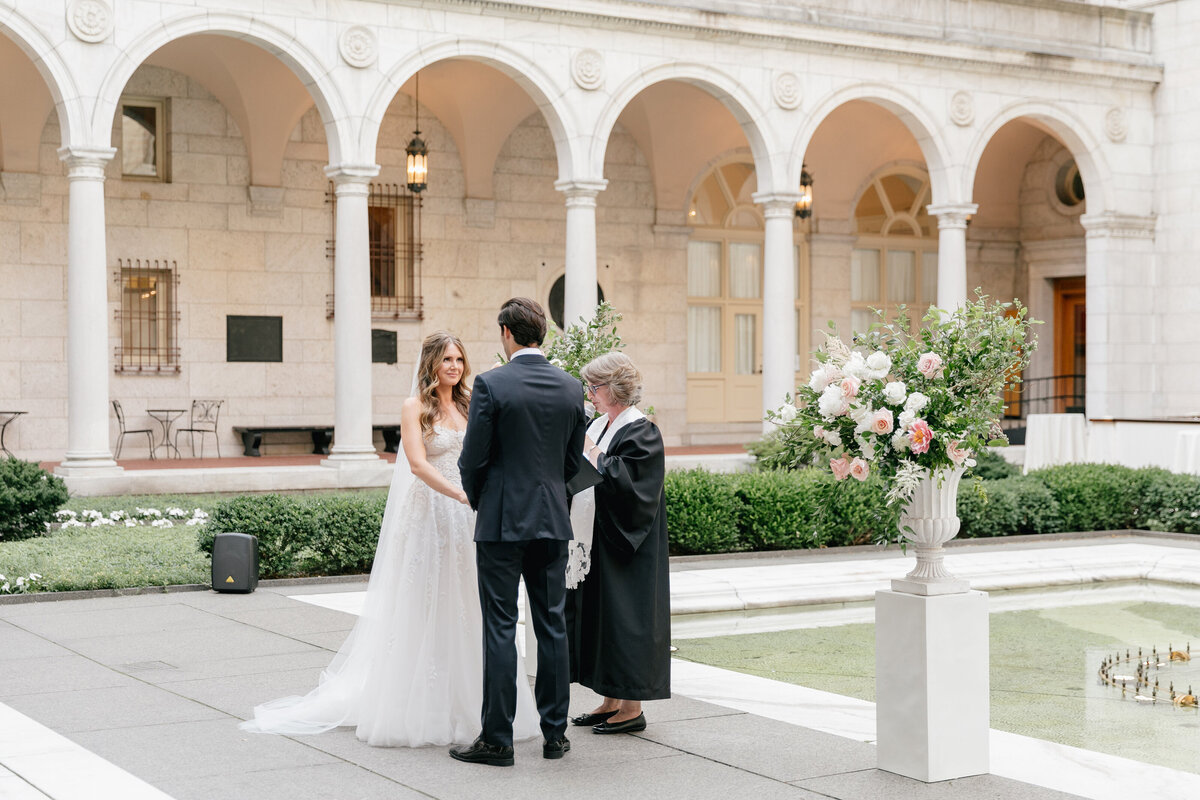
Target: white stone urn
(929,520)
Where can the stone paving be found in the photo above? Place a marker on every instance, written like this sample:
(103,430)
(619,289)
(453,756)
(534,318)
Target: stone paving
(155,684)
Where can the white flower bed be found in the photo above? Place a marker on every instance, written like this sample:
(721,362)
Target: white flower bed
(151,517)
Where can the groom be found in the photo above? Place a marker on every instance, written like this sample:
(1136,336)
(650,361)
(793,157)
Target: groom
(524,440)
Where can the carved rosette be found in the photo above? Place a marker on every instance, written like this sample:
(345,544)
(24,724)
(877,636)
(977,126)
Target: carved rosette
(1115,125)
(588,70)
(90,20)
(786,91)
(358,46)
(962,109)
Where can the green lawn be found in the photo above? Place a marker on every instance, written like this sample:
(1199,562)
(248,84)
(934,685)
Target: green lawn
(1043,673)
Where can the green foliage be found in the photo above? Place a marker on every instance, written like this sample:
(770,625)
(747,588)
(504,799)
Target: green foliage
(1094,497)
(303,535)
(107,558)
(1011,506)
(858,513)
(702,512)
(766,451)
(991,466)
(778,510)
(1170,502)
(29,496)
(581,343)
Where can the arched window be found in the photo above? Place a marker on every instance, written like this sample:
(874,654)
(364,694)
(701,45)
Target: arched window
(895,257)
(725,296)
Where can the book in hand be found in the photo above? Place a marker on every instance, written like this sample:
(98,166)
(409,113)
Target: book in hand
(586,477)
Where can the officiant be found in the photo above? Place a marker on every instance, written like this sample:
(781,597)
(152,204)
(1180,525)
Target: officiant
(624,622)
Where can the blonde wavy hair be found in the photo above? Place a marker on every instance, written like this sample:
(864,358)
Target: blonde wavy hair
(432,350)
(617,372)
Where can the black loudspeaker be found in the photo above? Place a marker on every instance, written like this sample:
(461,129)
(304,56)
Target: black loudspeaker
(235,562)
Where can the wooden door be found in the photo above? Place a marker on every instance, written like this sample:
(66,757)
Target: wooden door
(1070,344)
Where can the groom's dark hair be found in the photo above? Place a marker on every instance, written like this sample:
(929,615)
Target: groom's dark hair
(525,320)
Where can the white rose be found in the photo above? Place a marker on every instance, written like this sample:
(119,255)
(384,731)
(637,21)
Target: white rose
(832,403)
(916,402)
(899,440)
(856,366)
(905,419)
(867,447)
(787,412)
(880,364)
(895,392)
(818,380)
(833,438)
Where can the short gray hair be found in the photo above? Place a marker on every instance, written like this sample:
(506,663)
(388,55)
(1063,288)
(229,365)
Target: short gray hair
(617,372)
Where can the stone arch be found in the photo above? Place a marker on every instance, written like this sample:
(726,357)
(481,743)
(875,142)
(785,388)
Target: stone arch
(533,79)
(911,114)
(1070,130)
(49,64)
(731,94)
(314,74)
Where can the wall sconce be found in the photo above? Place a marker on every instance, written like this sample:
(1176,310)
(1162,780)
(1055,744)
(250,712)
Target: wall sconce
(805,203)
(418,154)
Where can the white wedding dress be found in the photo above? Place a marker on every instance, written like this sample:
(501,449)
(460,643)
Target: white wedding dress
(411,671)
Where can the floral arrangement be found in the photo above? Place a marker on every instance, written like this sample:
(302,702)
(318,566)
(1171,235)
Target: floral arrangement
(902,405)
(572,349)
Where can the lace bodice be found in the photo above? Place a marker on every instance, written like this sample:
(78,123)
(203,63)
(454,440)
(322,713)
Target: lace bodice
(442,449)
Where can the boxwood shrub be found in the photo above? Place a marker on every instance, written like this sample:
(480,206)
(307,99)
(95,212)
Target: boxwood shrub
(1094,497)
(29,496)
(702,512)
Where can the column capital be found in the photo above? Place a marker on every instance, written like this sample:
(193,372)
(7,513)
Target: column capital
(777,204)
(1110,224)
(86,163)
(581,191)
(351,174)
(952,215)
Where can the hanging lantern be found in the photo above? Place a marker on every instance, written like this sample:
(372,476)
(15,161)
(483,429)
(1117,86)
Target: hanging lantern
(805,203)
(418,154)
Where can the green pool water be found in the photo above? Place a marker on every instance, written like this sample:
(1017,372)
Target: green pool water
(1044,667)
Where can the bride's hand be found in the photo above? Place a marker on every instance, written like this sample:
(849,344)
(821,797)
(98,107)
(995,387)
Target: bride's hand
(461,497)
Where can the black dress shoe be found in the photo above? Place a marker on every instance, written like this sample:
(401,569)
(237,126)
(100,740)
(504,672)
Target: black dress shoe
(555,748)
(593,719)
(480,752)
(638,723)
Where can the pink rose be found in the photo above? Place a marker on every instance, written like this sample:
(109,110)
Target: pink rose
(930,365)
(881,421)
(920,436)
(958,454)
(859,469)
(840,467)
(850,386)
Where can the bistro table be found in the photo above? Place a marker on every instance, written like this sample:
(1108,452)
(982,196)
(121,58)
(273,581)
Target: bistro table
(165,417)
(5,418)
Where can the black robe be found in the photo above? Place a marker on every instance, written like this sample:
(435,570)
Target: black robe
(624,612)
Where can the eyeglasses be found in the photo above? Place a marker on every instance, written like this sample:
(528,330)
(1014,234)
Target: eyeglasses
(592,387)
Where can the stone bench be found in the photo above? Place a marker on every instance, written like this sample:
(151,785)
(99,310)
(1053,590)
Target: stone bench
(321,435)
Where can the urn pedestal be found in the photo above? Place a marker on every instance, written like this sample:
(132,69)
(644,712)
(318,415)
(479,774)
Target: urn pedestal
(931,653)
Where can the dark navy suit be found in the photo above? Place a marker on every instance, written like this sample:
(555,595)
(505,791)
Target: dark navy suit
(524,440)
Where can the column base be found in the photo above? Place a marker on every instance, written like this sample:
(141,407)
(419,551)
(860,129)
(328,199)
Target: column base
(97,465)
(350,456)
(932,707)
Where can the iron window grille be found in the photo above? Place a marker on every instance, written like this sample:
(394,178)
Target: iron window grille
(394,230)
(148,316)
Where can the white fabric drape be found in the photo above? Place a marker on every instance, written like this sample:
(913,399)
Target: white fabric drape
(745,271)
(745,355)
(704,269)
(901,277)
(864,276)
(704,339)
(583,505)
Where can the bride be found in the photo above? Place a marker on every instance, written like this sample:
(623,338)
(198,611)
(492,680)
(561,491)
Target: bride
(411,671)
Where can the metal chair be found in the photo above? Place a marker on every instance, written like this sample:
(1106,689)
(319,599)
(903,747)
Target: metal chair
(203,420)
(124,431)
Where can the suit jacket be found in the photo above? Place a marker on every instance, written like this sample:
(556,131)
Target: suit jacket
(524,440)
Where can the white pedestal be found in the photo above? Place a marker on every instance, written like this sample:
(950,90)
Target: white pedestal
(931,684)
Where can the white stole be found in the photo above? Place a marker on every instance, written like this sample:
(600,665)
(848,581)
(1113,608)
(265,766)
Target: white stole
(583,505)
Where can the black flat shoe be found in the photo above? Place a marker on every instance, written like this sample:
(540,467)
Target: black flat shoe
(638,723)
(480,752)
(593,719)
(556,748)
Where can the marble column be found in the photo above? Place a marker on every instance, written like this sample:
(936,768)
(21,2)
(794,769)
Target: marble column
(779,299)
(1123,338)
(352,436)
(579,295)
(952,252)
(88,355)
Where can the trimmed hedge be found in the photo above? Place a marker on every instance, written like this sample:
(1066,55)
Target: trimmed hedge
(29,496)
(709,512)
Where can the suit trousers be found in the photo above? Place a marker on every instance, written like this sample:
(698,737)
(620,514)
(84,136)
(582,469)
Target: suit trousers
(543,563)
